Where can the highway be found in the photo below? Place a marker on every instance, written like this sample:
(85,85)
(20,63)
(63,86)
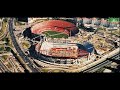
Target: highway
(29,65)
(98,66)
(102,64)
(116,57)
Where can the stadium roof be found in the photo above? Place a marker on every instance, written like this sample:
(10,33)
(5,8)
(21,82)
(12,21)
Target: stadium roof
(86,46)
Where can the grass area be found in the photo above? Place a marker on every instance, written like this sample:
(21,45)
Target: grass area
(44,70)
(25,44)
(4,27)
(4,23)
(10,43)
(116,32)
(54,34)
(57,71)
(100,70)
(6,49)
(39,20)
(1,32)
(1,48)
(100,28)
(51,70)
(18,23)
(5,57)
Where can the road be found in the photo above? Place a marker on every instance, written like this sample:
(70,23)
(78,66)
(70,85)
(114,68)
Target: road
(102,64)
(28,64)
(98,66)
(116,57)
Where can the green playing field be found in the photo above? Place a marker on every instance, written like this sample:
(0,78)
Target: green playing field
(54,34)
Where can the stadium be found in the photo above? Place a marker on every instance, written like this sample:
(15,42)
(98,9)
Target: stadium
(55,29)
(64,50)
(58,31)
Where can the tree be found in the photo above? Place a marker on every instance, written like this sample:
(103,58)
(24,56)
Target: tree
(6,40)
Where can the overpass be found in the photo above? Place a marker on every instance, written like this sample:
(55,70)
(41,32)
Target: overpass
(108,61)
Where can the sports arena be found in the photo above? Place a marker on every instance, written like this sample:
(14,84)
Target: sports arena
(59,29)
(55,28)
(64,50)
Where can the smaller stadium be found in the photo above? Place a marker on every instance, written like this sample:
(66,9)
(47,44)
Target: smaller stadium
(64,50)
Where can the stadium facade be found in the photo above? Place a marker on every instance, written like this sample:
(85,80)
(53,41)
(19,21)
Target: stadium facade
(64,50)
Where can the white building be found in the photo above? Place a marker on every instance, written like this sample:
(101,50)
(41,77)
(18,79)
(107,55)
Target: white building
(95,21)
(87,20)
(104,22)
(107,71)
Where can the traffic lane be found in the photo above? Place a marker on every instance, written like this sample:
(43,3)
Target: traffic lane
(21,53)
(19,50)
(100,65)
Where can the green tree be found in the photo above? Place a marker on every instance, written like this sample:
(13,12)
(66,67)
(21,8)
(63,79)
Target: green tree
(6,40)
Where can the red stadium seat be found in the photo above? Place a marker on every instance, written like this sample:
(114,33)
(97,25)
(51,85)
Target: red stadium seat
(54,25)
